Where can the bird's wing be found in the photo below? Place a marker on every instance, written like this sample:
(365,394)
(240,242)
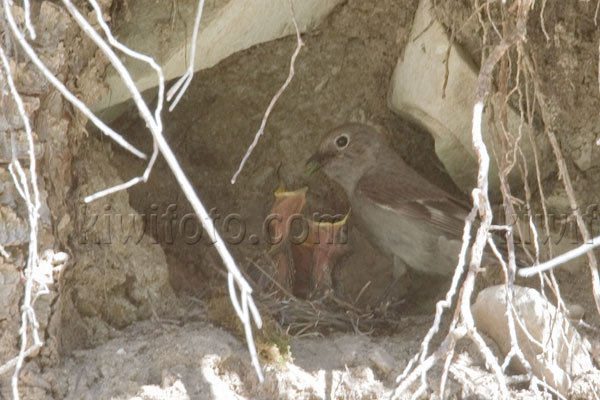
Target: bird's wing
(402,190)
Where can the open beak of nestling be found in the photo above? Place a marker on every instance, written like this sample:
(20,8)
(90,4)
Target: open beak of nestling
(315,162)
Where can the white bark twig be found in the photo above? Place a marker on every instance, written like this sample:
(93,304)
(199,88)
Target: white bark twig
(511,315)
(4,368)
(116,62)
(589,242)
(189,73)
(510,147)
(480,199)
(561,259)
(4,254)
(62,88)
(248,308)
(32,200)
(550,278)
(113,189)
(454,287)
(142,57)
(462,323)
(263,123)
(152,122)
(248,311)
(28,25)
(547,388)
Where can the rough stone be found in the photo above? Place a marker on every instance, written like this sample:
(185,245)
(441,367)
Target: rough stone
(434,83)
(11,119)
(10,290)
(551,345)
(226,27)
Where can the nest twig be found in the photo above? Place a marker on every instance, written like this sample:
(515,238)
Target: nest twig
(328,313)
(316,317)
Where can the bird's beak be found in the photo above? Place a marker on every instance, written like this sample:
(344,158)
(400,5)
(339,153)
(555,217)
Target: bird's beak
(313,164)
(316,161)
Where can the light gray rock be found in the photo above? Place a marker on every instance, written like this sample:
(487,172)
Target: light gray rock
(552,346)
(417,92)
(382,360)
(226,27)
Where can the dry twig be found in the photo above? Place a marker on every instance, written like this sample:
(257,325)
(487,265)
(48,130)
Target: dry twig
(182,83)
(32,200)
(263,123)
(244,306)
(462,324)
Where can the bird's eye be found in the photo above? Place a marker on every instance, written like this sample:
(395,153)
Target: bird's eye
(341,141)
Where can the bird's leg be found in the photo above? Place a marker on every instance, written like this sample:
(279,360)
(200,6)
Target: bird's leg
(399,285)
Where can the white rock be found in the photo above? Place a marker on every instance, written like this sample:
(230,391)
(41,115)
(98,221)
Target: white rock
(553,348)
(575,311)
(226,27)
(382,360)
(417,93)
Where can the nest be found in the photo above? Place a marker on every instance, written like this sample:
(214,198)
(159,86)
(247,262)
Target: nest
(328,314)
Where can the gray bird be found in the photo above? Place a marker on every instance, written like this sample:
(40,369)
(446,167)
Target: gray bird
(403,214)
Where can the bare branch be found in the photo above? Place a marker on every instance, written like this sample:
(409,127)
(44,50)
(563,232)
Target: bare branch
(561,259)
(189,73)
(274,99)
(247,310)
(462,323)
(32,200)
(62,88)
(589,243)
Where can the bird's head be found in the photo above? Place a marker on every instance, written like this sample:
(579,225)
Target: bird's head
(346,153)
